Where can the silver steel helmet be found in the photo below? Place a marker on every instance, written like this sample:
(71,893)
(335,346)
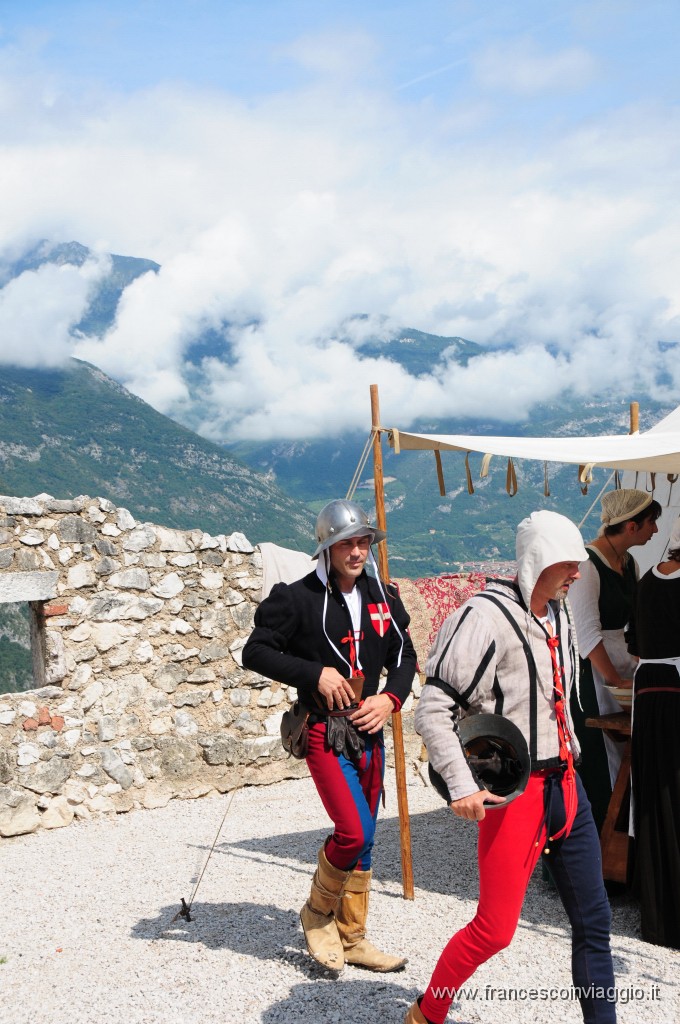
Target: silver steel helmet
(341,519)
(496,753)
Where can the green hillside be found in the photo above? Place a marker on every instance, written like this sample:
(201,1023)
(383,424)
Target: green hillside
(75,431)
(16,668)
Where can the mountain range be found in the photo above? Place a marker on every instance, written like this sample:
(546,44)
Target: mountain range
(75,430)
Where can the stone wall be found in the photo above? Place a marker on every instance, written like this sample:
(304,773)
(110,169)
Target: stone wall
(140,695)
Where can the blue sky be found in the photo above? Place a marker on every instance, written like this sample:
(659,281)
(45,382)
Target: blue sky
(504,172)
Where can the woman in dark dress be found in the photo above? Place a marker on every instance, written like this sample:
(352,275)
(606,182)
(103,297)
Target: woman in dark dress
(656,749)
(602,601)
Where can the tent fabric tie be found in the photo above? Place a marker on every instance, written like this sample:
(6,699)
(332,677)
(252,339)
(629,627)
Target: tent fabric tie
(470,487)
(511,479)
(440,472)
(585,473)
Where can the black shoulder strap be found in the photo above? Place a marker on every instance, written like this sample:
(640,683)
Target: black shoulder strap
(531,666)
(446,688)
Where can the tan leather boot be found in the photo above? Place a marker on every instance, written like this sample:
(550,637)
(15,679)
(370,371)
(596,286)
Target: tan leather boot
(415,1015)
(351,917)
(317,915)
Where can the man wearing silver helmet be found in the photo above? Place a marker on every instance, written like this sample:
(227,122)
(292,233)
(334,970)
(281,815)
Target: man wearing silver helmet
(509,651)
(330,635)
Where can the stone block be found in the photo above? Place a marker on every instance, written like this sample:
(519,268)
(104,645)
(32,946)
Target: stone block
(130,579)
(28,586)
(212,580)
(81,575)
(243,616)
(65,504)
(213,558)
(214,651)
(202,675)
(261,746)
(221,749)
(191,699)
(140,538)
(185,724)
(240,543)
(107,729)
(21,506)
(91,694)
(74,530)
(170,586)
(48,776)
(19,820)
(172,540)
(116,768)
(109,606)
(169,677)
(178,756)
(59,813)
(107,566)
(32,537)
(185,560)
(239,698)
(26,561)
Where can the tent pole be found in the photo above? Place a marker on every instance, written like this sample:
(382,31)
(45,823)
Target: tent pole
(397,731)
(634,417)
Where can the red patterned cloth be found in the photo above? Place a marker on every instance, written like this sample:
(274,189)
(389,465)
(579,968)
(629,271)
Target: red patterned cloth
(431,600)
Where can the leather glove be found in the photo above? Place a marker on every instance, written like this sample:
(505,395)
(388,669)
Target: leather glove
(344,738)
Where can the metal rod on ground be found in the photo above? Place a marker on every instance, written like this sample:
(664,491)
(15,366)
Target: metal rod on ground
(397,731)
(185,910)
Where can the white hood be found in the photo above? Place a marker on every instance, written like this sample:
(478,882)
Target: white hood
(543,539)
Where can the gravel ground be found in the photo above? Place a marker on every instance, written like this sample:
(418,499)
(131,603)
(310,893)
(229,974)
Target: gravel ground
(86,932)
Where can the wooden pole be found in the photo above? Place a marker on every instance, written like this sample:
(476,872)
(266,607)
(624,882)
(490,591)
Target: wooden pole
(397,731)
(634,417)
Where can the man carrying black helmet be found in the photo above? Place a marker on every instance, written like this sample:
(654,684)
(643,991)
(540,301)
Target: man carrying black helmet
(507,656)
(330,635)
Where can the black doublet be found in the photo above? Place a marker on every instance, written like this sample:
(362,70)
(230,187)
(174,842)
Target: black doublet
(288,643)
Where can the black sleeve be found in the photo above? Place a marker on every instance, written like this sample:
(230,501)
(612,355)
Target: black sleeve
(267,650)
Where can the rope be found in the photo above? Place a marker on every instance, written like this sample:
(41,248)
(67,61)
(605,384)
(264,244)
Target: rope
(606,485)
(360,466)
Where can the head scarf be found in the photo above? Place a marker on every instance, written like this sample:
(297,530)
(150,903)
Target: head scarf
(619,506)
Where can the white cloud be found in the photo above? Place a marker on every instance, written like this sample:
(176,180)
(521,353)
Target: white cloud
(518,66)
(39,308)
(286,217)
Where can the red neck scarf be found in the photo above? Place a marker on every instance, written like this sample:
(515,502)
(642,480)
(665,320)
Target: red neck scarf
(566,751)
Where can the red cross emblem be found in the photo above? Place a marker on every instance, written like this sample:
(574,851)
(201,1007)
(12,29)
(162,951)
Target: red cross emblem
(380,617)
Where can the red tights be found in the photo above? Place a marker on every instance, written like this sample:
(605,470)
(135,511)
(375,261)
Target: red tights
(507,854)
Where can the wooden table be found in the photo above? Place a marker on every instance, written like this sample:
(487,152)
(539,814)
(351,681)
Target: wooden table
(614,836)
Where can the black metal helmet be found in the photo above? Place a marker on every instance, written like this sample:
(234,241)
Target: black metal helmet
(496,753)
(341,519)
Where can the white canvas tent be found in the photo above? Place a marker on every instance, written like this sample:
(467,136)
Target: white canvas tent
(649,460)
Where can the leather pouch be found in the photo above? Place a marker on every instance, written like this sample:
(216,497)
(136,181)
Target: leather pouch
(295,730)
